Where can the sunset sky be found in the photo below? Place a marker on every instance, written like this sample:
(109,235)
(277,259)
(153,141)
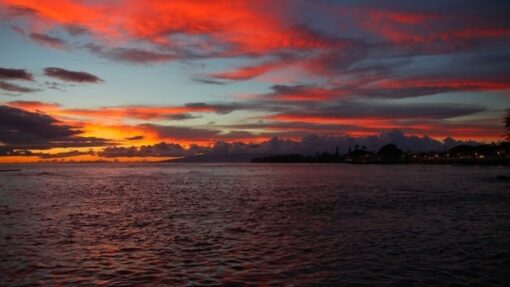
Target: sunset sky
(92,80)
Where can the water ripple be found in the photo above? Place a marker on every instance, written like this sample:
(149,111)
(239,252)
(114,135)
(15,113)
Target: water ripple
(254,225)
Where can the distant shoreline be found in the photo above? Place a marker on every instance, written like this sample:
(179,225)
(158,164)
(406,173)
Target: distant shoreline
(398,163)
(248,162)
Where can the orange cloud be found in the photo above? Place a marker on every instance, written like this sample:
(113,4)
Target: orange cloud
(133,112)
(112,113)
(34,106)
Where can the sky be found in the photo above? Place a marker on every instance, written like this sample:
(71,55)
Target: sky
(132,80)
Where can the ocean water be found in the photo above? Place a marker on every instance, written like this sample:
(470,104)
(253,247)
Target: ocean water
(254,225)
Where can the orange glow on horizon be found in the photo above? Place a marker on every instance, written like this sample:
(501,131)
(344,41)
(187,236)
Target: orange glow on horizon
(81,159)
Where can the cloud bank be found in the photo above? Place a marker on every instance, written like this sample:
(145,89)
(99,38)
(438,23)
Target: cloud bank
(22,130)
(71,76)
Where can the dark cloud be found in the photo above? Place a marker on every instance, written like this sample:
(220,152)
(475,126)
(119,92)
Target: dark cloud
(48,41)
(399,93)
(44,155)
(76,30)
(10,151)
(15,88)
(241,134)
(197,105)
(66,154)
(450,142)
(181,117)
(135,138)
(339,60)
(15,74)
(42,39)
(388,87)
(157,150)
(393,110)
(54,85)
(195,134)
(131,55)
(205,80)
(286,90)
(71,76)
(221,108)
(20,129)
(301,93)
(13,11)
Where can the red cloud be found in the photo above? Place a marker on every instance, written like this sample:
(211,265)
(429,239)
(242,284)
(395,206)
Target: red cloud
(243,27)
(398,17)
(447,84)
(302,93)
(406,27)
(368,125)
(248,72)
(347,59)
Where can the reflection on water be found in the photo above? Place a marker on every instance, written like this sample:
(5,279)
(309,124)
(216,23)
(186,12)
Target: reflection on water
(212,224)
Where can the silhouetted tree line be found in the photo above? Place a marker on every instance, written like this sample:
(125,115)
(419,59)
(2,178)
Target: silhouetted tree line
(392,154)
